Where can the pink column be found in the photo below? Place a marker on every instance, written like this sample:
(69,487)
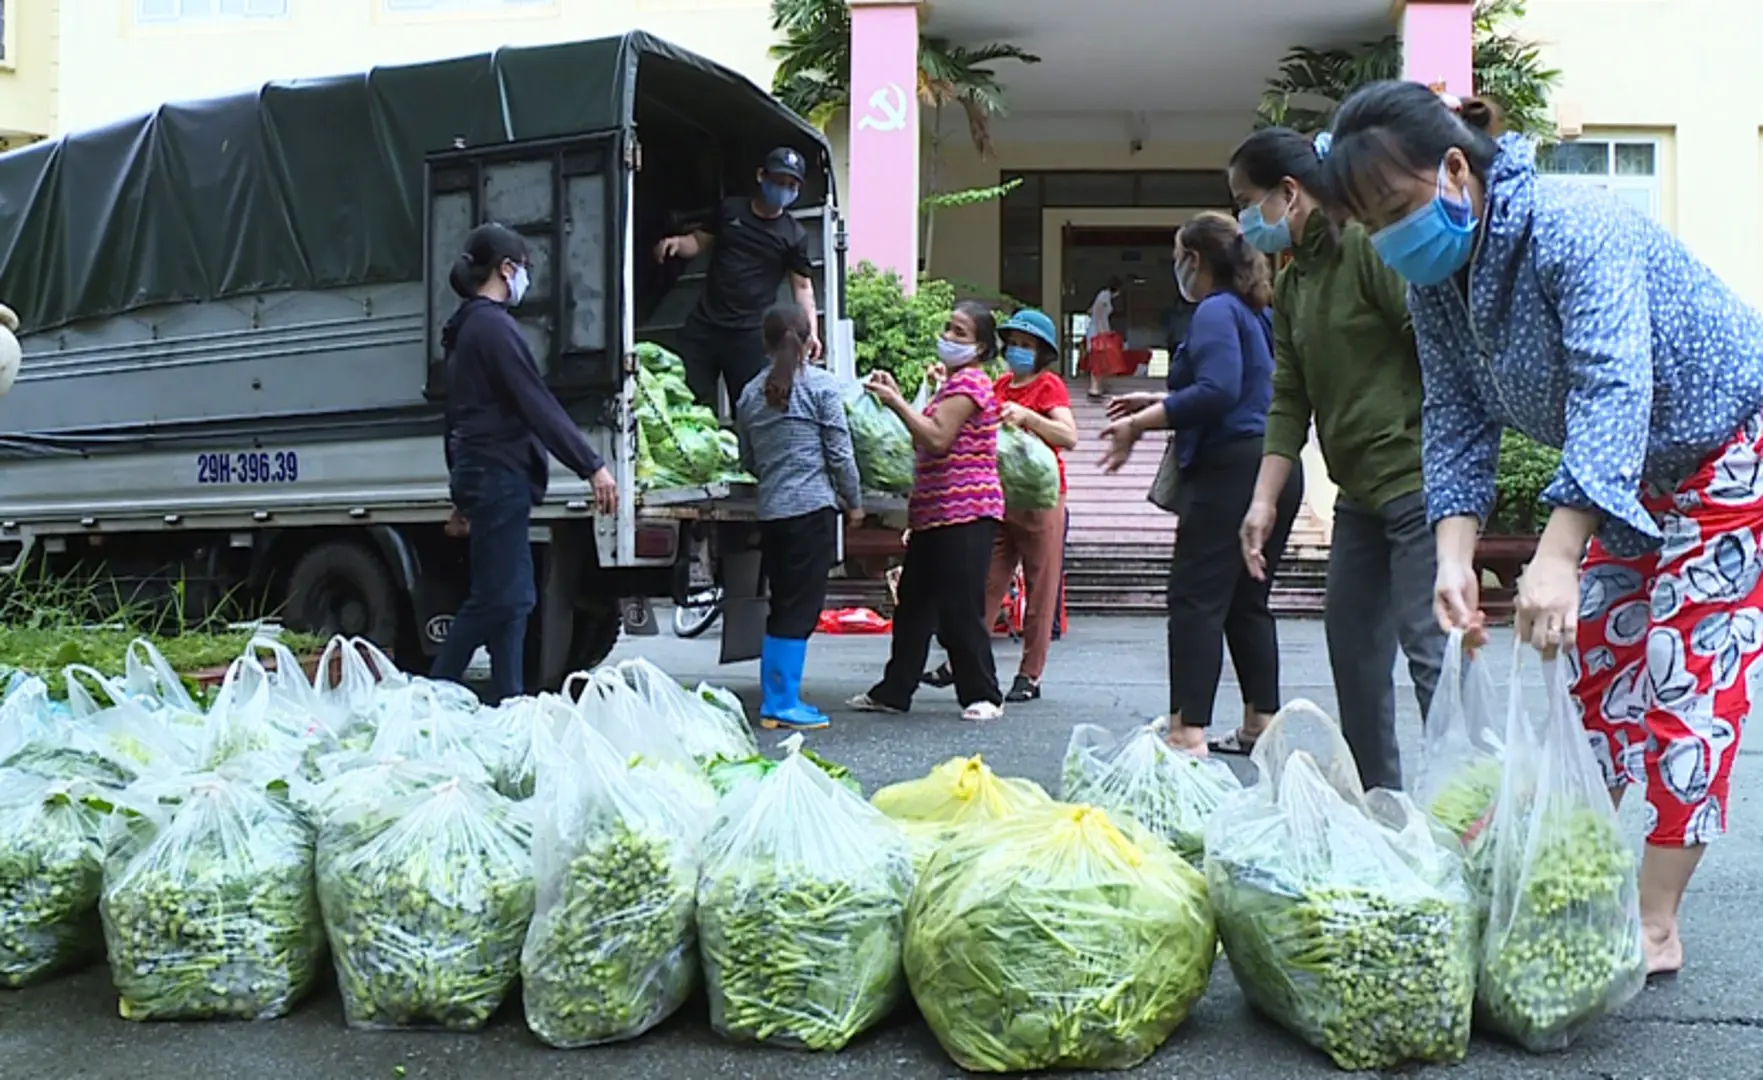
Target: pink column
(882,212)
(1437,45)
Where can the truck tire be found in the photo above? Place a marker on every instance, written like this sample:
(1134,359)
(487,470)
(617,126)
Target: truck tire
(341,587)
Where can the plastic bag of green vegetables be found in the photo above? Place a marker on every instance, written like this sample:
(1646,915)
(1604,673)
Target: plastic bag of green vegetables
(111,746)
(1563,941)
(250,716)
(1460,770)
(427,894)
(958,794)
(516,724)
(1057,938)
(208,904)
(800,910)
(705,730)
(621,715)
(1028,469)
(416,722)
(613,946)
(351,684)
(886,461)
(51,872)
(1168,792)
(679,442)
(1346,921)
(728,773)
(149,676)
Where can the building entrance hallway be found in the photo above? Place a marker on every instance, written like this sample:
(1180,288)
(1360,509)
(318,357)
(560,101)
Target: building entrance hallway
(1149,314)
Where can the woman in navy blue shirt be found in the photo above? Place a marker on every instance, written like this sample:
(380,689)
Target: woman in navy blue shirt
(1220,385)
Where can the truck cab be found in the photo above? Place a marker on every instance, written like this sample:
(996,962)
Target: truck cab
(232,388)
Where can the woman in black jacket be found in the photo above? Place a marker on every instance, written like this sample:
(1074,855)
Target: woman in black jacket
(502,424)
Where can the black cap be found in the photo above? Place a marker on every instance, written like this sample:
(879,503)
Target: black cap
(786,161)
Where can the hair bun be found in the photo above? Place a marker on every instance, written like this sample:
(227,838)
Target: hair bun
(1480,115)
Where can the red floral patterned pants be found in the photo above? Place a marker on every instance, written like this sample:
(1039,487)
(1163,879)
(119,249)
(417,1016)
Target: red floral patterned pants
(1668,645)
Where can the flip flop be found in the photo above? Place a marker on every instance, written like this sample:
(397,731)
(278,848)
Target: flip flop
(1234,743)
(939,679)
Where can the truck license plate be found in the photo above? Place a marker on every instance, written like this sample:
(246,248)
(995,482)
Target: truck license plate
(248,467)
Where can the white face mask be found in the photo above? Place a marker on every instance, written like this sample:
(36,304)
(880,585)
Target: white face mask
(1184,282)
(956,352)
(517,286)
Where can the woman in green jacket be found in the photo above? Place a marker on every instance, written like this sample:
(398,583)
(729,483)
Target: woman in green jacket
(1344,357)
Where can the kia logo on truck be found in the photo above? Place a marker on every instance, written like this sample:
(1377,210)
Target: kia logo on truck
(438,627)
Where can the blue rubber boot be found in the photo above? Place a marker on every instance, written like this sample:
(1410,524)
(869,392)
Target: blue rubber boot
(781,706)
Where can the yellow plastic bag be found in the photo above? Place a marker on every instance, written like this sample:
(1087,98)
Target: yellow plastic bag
(1057,938)
(955,794)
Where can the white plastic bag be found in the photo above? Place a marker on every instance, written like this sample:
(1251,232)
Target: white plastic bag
(1345,919)
(245,720)
(426,895)
(149,677)
(801,910)
(1563,943)
(515,728)
(51,872)
(1460,770)
(208,903)
(612,950)
(416,721)
(352,677)
(1170,793)
(703,728)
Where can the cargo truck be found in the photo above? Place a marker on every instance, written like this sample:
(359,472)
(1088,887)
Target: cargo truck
(232,384)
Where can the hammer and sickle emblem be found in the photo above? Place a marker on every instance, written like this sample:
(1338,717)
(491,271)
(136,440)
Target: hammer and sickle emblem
(887,110)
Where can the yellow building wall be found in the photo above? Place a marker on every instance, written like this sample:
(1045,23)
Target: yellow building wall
(323,37)
(29,71)
(1680,69)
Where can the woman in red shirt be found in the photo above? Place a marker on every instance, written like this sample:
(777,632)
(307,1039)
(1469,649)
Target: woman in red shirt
(1031,397)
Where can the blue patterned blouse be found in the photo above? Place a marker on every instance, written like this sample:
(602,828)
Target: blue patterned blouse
(1594,330)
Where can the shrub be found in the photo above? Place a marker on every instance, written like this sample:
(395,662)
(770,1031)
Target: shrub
(1526,468)
(895,332)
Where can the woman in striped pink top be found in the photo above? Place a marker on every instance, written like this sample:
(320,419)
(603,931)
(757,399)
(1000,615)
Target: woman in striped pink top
(954,512)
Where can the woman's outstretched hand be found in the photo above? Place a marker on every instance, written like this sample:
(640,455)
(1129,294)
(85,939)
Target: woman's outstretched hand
(1121,436)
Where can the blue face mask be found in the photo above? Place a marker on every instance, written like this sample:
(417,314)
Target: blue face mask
(1432,243)
(1267,239)
(1021,359)
(777,196)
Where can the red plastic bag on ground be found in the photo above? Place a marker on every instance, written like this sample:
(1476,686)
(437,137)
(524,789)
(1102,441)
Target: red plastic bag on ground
(1105,356)
(854,621)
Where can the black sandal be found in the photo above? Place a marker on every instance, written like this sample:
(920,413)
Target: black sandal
(1023,689)
(940,679)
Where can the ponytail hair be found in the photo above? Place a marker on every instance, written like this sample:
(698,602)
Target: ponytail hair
(785,333)
(1387,131)
(486,248)
(1218,242)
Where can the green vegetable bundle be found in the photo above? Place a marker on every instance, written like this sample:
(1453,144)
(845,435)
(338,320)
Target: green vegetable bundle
(612,950)
(954,796)
(886,461)
(426,896)
(51,873)
(1345,919)
(208,901)
(1168,792)
(1028,469)
(727,773)
(1057,939)
(1563,942)
(800,911)
(679,443)
(514,737)
(1462,762)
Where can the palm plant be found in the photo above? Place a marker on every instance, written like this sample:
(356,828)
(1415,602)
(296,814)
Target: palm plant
(813,78)
(1509,70)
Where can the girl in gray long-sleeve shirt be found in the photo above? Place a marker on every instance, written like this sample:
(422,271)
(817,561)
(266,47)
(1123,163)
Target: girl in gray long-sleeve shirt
(791,420)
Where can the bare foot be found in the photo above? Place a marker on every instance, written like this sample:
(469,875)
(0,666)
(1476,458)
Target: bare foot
(1662,948)
(1189,739)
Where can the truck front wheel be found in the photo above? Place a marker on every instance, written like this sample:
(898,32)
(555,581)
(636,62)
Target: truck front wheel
(340,587)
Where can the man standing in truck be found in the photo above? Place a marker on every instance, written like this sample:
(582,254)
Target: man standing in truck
(753,242)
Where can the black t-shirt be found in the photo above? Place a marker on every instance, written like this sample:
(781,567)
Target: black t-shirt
(748,263)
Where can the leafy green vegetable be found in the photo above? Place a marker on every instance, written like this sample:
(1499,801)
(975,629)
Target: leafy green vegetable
(679,442)
(1168,792)
(51,873)
(1345,919)
(727,773)
(426,898)
(801,924)
(208,903)
(1055,939)
(1464,801)
(1028,469)
(886,461)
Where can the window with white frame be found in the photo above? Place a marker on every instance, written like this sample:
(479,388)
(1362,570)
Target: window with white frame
(448,7)
(1628,168)
(180,11)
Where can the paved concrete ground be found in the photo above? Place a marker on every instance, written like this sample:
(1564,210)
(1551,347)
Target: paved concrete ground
(1708,1023)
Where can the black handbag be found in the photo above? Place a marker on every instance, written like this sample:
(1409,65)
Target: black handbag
(1168,479)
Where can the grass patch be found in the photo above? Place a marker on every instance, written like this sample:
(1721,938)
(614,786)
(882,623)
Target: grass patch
(47,623)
